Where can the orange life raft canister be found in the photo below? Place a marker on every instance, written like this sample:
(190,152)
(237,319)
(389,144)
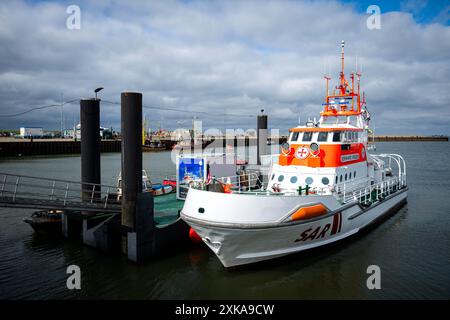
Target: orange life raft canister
(309,212)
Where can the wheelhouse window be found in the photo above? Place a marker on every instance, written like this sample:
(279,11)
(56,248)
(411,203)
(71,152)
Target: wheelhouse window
(307,136)
(323,136)
(350,136)
(294,136)
(337,136)
(346,136)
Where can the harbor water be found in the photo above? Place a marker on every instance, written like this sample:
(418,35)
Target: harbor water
(412,248)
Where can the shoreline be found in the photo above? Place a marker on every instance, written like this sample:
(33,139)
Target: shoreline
(15,148)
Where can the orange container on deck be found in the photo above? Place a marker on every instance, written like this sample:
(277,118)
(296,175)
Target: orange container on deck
(309,212)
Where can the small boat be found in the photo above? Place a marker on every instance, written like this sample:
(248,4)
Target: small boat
(157,189)
(46,221)
(161,189)
(170,181)
(325,186)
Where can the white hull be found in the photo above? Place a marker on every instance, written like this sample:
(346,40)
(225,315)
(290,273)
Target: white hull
(246,242)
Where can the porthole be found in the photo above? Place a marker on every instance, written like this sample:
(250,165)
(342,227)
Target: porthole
(325,181)
(345,177)
(201,210)
(293,179)
(280,178)
(336,180)
(340,178)
(354,174)
(273,176)
(309,180)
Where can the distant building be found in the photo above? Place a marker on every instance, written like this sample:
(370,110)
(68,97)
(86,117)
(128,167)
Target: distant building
(31,132)
(105,133)
(68,133)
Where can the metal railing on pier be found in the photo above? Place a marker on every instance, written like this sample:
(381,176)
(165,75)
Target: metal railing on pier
(43,193)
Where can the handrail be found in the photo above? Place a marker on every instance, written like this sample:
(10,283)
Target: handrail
(250,177)
(380,188)
(340,194)
(28,189)
(51,179)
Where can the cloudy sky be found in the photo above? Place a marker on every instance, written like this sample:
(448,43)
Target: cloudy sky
(220,59)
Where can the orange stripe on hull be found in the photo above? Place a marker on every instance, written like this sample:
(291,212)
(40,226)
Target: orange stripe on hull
(309,212)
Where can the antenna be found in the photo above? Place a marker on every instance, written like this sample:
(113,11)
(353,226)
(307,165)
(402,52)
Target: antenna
(62,115)
(327,78)
(342,58)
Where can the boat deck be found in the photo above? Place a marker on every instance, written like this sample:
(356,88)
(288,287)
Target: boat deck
(166,209)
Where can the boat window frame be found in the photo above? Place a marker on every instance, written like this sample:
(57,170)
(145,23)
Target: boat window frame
(295,134)
(307,134)
(322,133)
(338,134)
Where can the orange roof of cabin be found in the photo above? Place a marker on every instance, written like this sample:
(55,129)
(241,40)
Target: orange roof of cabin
(316,129)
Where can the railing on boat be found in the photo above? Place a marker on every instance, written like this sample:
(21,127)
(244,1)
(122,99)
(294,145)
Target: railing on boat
(355,190)
(243,182)
(373,192)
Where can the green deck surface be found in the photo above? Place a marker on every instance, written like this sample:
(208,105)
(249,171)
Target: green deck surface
(166,209)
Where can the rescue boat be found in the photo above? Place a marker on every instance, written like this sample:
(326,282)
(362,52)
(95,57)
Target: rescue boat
(325,187)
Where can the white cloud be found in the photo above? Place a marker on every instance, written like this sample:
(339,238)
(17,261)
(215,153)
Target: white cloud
(222,57)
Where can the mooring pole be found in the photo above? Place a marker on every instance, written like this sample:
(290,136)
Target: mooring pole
(137,207)
(261,136)
(131,122)
(90,148)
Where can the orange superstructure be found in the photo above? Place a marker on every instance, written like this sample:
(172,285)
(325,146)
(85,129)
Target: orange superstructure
(330,155)
(340,137)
